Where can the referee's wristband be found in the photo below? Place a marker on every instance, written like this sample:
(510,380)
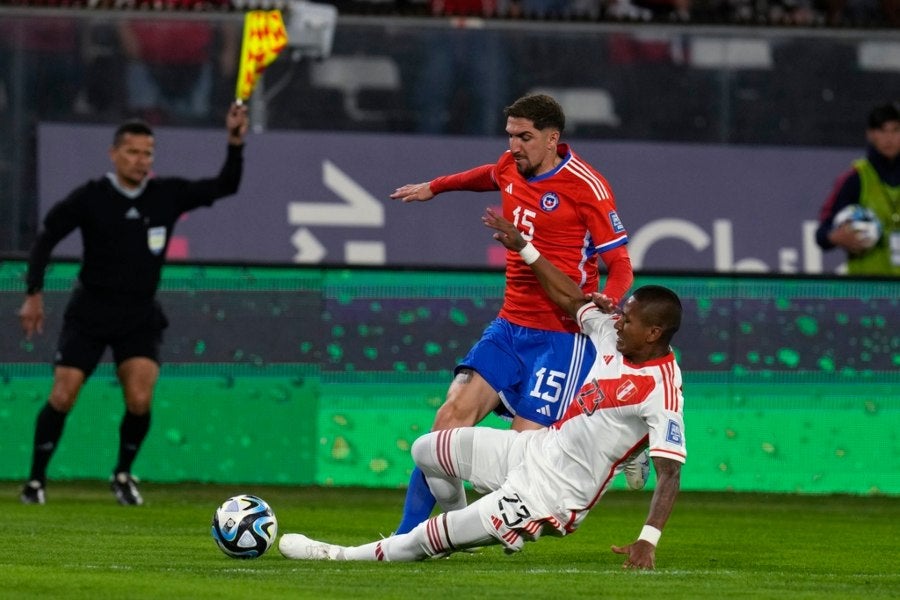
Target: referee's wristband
(650,534)
(529,253)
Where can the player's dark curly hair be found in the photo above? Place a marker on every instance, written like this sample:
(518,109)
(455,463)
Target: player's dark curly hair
(133,127)
(660,306)
(540,109)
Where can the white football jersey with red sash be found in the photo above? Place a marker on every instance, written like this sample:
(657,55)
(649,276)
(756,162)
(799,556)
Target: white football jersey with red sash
(620,409)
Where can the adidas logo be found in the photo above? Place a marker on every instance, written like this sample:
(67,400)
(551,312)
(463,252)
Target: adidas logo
(545,410)
(508,189)
(132,213)
(607,358)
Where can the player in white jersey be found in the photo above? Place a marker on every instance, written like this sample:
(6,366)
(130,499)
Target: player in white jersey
(545,481)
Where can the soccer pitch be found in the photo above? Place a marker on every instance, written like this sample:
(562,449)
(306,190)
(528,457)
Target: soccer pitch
(83,545)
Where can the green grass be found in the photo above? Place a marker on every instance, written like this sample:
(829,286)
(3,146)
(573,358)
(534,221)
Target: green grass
(82,545)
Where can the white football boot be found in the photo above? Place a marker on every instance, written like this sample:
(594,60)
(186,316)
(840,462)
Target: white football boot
(300,547)
(637,471)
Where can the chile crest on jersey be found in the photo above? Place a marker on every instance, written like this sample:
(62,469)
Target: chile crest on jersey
(549,202)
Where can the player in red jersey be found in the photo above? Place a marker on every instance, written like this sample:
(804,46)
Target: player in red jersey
(531,359)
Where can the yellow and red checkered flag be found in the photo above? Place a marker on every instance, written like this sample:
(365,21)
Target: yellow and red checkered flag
(264,37)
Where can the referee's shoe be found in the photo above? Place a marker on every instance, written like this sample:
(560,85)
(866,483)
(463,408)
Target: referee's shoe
(33,492)
(124,486)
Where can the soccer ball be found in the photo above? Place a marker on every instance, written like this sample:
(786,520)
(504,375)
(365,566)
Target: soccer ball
(864,222)
(244,526)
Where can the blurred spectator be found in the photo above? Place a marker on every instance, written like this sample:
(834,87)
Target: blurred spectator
(40,78)
(542,9)
(173,66)
(627,10)
(794,12)
(863,12)
(465,74)
(40,64)
(668,10)
(464,8)
(758,12)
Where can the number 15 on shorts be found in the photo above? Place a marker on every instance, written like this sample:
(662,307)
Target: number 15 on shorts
(548,384)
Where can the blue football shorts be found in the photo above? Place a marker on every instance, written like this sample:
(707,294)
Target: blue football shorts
(535,372)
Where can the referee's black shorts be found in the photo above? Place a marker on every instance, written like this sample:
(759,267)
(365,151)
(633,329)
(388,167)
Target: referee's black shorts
(94,321)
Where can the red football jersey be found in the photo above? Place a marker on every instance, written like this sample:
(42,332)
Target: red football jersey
(569,214)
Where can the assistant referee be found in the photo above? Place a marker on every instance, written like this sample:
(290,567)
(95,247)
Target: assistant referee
(126,220)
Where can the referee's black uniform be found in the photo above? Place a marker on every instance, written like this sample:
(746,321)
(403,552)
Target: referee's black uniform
(125,237)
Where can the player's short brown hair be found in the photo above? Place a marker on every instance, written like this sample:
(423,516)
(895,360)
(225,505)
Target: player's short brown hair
(540,109)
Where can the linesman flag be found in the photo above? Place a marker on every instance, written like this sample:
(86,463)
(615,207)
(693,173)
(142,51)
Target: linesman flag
(264,37)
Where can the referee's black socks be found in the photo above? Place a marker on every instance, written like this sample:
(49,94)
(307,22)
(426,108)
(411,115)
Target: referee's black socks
(47,431)
(132,432)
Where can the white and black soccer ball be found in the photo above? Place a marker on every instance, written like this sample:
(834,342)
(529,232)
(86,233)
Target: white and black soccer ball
(244,526)
(864,222)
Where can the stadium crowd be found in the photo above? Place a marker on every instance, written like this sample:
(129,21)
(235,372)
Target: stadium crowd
(804,85)
(830,13)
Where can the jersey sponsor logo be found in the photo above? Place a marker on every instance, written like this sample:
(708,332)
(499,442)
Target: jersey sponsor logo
(132,213)
(673,433)
(549,202)
(616,222)
(508,189)
(156,239)
(626,391)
